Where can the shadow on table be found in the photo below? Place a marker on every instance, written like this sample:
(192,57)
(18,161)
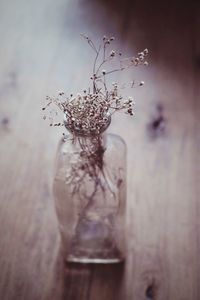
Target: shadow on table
(76,281)
(94,281)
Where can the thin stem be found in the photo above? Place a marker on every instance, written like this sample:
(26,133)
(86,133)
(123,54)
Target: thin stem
(103,62)
(90,42)
(105,86)
(95,61)
(115,70)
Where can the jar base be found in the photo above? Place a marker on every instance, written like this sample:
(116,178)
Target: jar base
(94,242)
(86,260)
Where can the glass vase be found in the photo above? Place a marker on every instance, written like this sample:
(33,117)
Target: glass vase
(90,197)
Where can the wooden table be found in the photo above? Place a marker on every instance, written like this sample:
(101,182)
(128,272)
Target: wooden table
(41,52)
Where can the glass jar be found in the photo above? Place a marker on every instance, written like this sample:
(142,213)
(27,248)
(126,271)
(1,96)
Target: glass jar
(90,197)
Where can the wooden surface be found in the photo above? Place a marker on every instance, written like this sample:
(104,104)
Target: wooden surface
(41,52)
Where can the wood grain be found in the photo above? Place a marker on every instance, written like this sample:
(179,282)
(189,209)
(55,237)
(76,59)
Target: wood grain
(41,52)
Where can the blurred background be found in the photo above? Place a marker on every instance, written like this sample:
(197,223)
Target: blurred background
(41,53)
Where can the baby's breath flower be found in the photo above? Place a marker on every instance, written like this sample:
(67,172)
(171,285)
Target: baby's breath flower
(90,112)
(112,53)
(130,99)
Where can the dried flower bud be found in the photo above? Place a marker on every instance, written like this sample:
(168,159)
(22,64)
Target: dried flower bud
(112,53)
(141,56)
(130,110)
(130,100)
(103,72)
(141,83)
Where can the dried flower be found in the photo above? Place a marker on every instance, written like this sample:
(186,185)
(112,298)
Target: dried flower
(91,112)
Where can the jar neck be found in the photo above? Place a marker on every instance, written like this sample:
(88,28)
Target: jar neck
(89,140)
